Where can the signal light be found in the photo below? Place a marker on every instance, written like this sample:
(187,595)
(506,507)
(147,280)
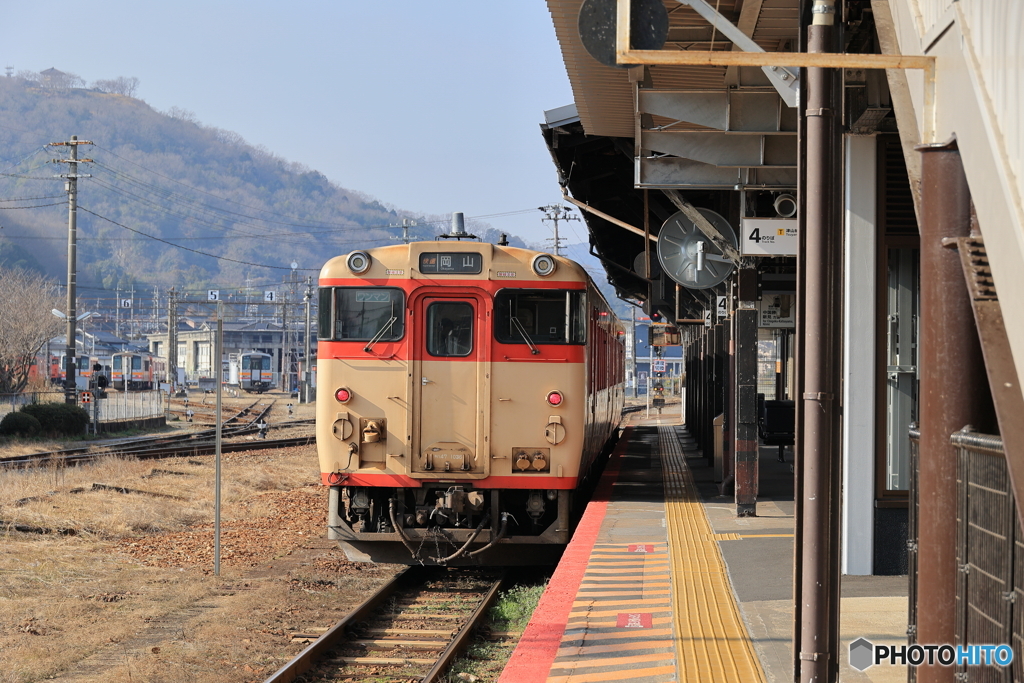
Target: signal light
(343,395)
(554,398)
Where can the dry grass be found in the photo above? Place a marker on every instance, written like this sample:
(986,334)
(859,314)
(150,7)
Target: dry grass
(132,598)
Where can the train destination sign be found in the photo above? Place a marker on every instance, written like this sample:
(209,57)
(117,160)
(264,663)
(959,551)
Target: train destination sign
(433,263)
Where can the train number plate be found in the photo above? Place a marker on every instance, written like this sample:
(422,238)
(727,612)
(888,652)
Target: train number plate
(446,456)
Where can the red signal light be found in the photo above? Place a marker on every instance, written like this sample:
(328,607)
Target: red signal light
(343,395)
(555,398)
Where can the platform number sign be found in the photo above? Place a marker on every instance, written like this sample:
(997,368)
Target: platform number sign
(270,297)
(707,317)
(213,295)
(721,310)
(126,303)
(769,237)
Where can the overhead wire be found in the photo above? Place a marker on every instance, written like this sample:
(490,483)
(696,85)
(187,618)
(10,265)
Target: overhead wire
(194,251)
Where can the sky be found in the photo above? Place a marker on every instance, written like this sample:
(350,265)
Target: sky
(429,107)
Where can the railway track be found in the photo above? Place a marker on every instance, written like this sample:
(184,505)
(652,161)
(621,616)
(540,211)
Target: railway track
(201,442)
(411,630)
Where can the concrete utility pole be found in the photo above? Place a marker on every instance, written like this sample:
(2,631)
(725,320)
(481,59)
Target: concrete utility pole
(555,213)
(307,363)
(172,338)
(71,187)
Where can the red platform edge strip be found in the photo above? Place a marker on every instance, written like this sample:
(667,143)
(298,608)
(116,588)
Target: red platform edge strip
(532,659)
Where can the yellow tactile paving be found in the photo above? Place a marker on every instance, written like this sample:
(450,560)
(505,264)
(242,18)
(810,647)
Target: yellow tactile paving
(712,641)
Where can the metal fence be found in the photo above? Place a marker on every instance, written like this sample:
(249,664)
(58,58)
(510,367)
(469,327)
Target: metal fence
(115,407)
(133,405)
(10,403)
(990,554)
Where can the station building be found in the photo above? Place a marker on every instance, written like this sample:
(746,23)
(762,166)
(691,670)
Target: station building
(840,227)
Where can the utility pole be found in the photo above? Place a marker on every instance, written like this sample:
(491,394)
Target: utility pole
(71,187)
(172,338)
(307,375)
(285,365)
(406,224)
(555,213)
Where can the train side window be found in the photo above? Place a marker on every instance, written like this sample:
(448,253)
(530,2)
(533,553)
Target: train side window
(361,313)
(450,329)
(547,316)
(324,311)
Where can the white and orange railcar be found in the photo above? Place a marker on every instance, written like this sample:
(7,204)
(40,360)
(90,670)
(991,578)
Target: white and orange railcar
(464,391)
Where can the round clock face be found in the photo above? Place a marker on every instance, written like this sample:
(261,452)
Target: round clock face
(680,244)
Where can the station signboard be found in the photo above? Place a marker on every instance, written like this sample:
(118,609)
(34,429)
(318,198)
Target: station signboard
(777,310)
(768,237)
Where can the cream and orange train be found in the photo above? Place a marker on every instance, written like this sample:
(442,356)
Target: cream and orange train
(464,390)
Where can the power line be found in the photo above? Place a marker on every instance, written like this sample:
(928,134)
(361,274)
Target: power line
(194,251)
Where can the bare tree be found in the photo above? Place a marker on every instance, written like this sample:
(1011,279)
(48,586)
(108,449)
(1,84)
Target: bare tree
(183,115)
(25,324)
(122,85)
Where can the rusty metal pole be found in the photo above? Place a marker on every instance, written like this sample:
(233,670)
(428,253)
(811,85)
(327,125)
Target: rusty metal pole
(952,392)
(817,662)
(745,449)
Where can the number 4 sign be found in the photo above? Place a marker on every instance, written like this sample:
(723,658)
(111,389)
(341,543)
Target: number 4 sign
(769,237)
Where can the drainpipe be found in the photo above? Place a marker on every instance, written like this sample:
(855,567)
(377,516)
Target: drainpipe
(817,661)
(953,392)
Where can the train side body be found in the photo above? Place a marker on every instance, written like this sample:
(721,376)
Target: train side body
(461,398)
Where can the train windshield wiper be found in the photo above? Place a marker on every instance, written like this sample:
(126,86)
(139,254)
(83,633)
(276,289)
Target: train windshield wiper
(380,333)
(526,338)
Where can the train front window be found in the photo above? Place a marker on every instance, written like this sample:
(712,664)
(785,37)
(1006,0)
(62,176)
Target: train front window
(117,362)
(546,316)
(450,329)
(136,363)
(361,313)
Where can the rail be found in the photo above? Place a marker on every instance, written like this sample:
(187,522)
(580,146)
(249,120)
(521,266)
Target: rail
(344,635)
(194,443)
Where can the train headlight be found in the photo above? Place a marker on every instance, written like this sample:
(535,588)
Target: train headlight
(358,262)
(343,395)
(555,398)
(544,265)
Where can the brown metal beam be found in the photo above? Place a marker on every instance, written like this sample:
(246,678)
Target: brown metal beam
(952,392)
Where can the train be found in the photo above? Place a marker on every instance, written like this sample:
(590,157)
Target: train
(134,371)
(464,392)
(253,372)
(143,370)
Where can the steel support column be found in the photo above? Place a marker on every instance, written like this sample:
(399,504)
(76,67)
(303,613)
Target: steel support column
(817,658)
(745,386)
(719,386)
(953,392)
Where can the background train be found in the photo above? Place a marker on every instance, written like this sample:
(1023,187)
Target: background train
(253,372)
(464,391)
(141,371)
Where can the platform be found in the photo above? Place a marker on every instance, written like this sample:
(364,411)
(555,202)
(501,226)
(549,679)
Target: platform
(662,582)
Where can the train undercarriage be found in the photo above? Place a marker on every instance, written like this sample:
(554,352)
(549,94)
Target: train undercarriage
(452,525)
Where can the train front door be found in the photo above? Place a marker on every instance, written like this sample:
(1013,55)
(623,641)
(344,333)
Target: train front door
(450,378)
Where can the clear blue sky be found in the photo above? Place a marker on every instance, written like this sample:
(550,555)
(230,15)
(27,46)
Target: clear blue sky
(427,106)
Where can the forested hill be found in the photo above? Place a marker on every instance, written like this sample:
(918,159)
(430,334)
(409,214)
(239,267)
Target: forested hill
(164,192)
